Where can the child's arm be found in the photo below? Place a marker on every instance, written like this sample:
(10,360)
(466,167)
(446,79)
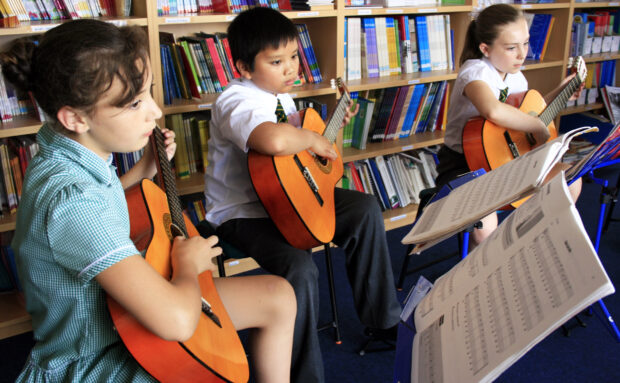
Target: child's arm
(504,115)
(285,139)
(169,309)
(146,168)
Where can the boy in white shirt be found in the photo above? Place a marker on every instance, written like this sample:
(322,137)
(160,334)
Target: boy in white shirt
(264,46)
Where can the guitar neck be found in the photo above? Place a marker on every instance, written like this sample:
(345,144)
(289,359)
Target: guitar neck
(559,102)
(167,179)
(334,123)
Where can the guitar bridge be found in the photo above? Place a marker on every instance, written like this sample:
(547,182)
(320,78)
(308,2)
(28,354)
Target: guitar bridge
(511,145)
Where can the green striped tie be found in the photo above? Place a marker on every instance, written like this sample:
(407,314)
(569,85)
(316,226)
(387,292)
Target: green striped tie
(281,116)
(503,94)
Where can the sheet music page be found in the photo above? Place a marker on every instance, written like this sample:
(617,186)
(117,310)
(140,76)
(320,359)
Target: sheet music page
(537,270)
(477,198)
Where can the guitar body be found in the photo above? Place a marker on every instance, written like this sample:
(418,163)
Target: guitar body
(484,143)
(305,217)
(212,354)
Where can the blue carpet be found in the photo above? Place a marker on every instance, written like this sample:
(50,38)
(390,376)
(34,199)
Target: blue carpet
(589,354)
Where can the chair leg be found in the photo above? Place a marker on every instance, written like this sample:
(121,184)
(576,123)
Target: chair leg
(403,269)
(220,265)
(332,295)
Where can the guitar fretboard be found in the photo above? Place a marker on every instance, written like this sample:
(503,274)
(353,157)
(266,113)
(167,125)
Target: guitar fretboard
(168,180)
(334,123)
(559,102)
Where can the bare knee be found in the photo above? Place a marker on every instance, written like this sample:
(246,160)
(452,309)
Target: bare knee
(282,302)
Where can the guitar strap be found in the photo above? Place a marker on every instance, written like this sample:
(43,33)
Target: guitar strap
(281,116)
(503,94)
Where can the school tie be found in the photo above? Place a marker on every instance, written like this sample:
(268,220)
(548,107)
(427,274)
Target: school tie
(281,116)
(503,94)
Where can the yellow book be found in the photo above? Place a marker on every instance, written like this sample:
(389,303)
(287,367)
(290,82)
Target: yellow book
(181,161)
(391,45)
(203,131)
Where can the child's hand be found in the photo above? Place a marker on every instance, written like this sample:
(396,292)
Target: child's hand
(350,113)
(195,253)
(323,148)
(566,80)
(542,134)
(171,146)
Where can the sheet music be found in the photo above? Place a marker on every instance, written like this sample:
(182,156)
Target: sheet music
(489,192)
(537,270)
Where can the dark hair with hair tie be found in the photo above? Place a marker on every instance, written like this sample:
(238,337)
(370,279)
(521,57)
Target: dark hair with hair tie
(75,63)
(486,27)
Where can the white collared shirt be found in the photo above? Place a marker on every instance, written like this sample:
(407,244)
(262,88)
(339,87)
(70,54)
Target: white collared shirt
(461,109)
(237,111)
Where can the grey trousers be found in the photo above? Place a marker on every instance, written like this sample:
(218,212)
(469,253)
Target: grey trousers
(361,234)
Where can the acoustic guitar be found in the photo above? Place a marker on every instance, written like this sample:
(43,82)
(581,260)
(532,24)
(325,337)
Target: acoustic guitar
(489,146)
(214,353)
(298,190)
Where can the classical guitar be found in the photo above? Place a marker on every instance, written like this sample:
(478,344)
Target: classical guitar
(214,353)
(489,146)
(298,190)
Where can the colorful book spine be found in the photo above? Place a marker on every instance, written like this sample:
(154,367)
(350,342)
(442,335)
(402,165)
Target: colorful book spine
(424,57)
(371,46)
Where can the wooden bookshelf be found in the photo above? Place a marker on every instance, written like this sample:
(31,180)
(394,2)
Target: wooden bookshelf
(14,319)
(326,27)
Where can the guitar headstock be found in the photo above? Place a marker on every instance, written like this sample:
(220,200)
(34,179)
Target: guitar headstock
(578,65)
(341,86)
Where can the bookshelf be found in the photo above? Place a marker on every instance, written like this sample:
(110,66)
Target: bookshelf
(327,31)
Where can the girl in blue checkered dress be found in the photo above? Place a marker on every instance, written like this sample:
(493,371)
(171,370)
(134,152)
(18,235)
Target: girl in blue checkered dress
(93,80)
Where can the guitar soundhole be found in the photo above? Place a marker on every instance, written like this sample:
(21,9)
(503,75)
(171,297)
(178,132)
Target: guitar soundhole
(167,221)
(324,164)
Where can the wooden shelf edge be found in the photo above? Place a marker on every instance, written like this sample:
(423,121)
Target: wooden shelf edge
(580,109)
(415,141)
(14,319)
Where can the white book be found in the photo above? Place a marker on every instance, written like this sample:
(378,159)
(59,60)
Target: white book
(398,182)
(404,178)
(448,40)
(536,271)
(353,48)
(382,47)
(413,189)
(427,173)
(429,162)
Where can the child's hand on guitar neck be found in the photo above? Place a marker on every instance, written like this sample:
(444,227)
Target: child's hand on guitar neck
(194,254)
(567,79)
(350,113)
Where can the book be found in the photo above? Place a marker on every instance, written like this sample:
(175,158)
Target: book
(511,182)
(370,33)
(611,99)
(536,271)
(390,188)
(424,55)
(383,116)
(362,124)
(378,182)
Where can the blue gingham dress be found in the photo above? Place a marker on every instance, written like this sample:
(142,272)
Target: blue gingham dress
(72,224)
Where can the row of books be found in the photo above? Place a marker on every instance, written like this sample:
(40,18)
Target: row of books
(395,180)
(182,7)
(385,46)
(594,32)
(600,74)
(15,155)
(195,210)
(125,161)
(15,11)
(238,6)
(540,26)
(203,63)
(192,137)
(398,112)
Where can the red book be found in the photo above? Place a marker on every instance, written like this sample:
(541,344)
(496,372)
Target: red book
(188,70)
(357,181)
(219,68)
(229,56)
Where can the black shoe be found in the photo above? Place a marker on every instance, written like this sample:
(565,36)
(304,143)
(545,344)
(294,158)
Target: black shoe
(388,334)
